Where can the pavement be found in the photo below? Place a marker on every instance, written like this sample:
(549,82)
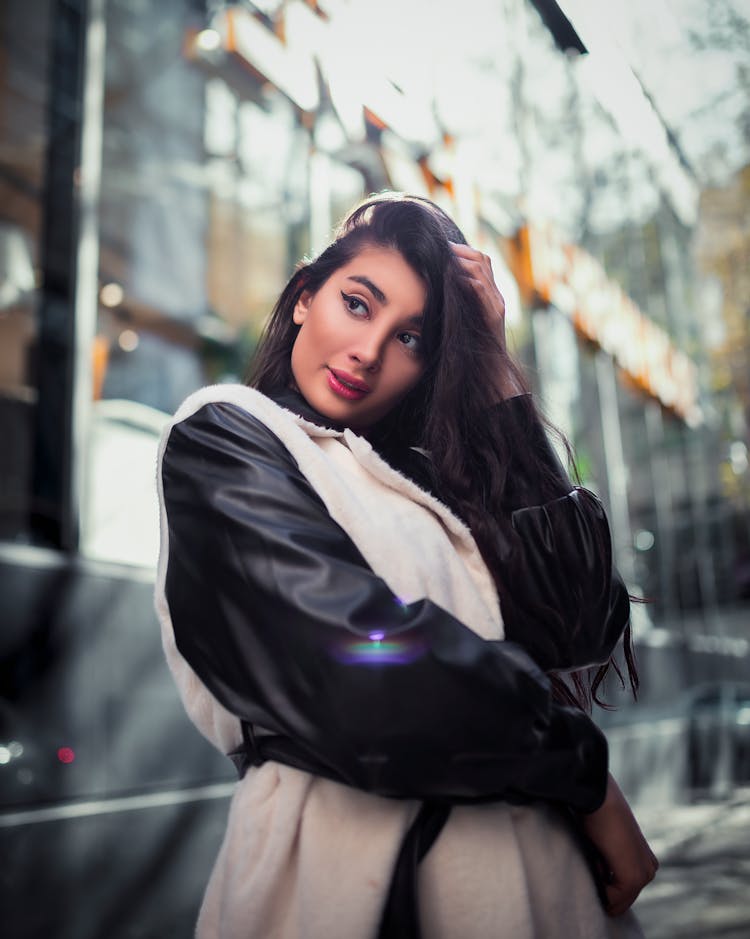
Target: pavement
(702,889)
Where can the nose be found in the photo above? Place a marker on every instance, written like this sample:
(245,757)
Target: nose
(368,350)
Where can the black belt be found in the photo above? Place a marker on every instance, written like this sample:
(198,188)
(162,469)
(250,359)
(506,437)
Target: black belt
(400,919)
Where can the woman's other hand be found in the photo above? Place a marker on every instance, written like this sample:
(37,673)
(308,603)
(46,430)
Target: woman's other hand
(629,863)
(477,268)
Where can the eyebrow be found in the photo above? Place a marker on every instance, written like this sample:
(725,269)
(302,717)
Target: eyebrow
(373,288)
(415,320)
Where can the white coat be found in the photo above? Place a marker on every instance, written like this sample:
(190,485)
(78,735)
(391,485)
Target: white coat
(307,857)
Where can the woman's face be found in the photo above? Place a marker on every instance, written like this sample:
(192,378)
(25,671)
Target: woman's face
(357,353)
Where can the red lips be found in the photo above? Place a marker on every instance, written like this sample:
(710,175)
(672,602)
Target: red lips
(350,380)
(346,385)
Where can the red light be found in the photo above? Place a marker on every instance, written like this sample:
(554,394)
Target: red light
(66,755)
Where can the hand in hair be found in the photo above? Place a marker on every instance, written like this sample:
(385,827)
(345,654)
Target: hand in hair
(477,268)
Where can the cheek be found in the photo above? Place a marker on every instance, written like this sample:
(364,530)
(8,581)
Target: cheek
(307,341)
(407,377)
(318,335)
(417,379)
(298,350)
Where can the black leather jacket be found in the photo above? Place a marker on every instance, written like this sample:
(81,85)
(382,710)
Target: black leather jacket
(263,587)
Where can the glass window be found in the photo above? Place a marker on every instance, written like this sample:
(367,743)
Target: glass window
(23,144)
(204,211)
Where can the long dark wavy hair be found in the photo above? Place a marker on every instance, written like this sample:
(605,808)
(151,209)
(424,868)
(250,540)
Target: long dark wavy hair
(446,413)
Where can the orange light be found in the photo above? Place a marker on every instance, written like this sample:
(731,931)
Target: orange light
(99,358)
(548,270)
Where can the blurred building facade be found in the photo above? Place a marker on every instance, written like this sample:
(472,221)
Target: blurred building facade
(162,169)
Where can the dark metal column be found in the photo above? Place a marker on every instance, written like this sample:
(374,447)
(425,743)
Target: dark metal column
(69,261)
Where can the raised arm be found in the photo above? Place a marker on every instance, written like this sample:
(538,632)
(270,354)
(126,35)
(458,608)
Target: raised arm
(568,606)
(271,605)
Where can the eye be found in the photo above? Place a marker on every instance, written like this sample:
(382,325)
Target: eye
(354,305)
(410,341)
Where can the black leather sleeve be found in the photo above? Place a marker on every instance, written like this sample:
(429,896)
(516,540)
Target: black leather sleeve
(568,605)
(280,616)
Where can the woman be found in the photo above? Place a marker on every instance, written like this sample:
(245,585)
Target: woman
(370,559)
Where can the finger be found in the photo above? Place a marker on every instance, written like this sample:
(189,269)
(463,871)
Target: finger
(490,294)
(466,252)
(481,278)
(621,895)
(475,266)
(619,899)
(463,250)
